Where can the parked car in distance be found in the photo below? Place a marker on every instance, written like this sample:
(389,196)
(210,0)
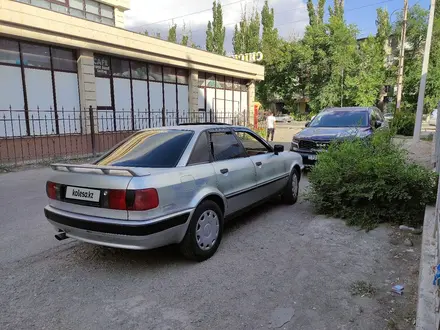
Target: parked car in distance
(335,124)
(388,116)
(432,119)
(283,119)
(170,185)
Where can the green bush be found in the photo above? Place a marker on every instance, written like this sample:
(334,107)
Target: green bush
(261,131)
(403,123)
(367,182)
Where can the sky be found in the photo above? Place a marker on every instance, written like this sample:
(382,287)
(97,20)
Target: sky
(291,16)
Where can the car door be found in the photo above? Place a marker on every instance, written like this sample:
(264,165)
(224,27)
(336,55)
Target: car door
(377,116)
(270,168)
(234,170)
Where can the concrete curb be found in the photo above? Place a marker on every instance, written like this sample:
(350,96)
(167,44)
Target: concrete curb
(427,302)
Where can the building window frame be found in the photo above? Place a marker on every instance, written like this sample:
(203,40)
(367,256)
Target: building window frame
(70,10)
(50,68)
(149,78)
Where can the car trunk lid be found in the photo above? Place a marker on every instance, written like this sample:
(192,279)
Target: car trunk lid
(92,190)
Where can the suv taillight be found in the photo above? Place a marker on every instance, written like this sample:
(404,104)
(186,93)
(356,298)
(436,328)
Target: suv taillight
(133,200)
(53,190)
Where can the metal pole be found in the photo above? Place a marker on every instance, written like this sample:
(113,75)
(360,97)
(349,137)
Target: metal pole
(342,88)
(420,102)
(402,57)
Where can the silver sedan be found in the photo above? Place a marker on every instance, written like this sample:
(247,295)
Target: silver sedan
(173,185)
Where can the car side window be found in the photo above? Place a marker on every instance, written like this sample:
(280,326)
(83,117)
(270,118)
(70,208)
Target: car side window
(251,144)
(225,146)
(379,115)
(201,151)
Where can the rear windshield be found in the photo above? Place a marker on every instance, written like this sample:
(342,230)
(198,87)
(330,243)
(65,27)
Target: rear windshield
(340,119)
(153,148)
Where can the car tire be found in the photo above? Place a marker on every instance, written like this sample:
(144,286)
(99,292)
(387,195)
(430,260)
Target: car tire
(291,190)
(207,217)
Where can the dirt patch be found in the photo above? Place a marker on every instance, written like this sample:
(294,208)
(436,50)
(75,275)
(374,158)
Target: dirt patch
(420,152)
(362,289)
(399,311)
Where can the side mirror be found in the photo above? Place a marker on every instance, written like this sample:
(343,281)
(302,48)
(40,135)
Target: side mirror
(307,124)
(277,148)
(378,124)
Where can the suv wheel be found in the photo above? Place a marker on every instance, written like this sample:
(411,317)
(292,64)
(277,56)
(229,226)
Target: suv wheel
(204,232)
(291,191)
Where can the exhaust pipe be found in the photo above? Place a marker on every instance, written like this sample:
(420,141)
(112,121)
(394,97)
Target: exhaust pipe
(61,236)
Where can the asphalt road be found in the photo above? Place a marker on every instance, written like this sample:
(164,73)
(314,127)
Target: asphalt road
(277,267)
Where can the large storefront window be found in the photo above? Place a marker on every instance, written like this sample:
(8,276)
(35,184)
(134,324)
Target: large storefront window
(134,95)
(223,98)
(38,90)
(88,9)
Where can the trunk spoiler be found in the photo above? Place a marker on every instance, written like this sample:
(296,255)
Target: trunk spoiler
(103,170)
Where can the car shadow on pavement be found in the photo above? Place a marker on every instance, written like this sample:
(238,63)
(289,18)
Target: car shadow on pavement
(89,254)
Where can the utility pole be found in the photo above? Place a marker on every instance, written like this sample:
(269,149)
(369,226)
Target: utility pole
(402,56)
(421,100)
(342,88)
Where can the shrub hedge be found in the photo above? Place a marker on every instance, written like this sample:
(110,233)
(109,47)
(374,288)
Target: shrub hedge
(403,123)
(367,182)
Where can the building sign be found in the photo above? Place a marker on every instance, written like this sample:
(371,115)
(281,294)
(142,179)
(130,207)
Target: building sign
(250,57)
(102,65)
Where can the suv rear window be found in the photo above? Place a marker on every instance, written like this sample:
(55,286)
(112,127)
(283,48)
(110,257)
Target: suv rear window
(153,148)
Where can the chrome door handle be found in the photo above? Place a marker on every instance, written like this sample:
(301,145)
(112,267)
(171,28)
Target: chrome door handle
(258,163)
(224,171)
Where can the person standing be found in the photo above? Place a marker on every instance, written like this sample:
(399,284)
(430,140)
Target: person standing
(270,122)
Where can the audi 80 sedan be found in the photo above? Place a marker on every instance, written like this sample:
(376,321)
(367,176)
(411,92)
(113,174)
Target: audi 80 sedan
(335,124)
(170,185)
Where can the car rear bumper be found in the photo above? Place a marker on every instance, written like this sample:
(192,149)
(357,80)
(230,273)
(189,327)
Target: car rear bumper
(134,235)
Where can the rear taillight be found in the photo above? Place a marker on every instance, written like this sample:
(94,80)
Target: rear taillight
(117,199)
(132,200)
(53,190)
(145,199)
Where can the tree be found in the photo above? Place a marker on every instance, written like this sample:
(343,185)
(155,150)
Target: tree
(215,33)
(252,37)
(237,41)
(364,87)
(185,36)
(172,33)
(246,37)
(433,83)
(146,32)
(383,28)
(311,11)
(270,38)
(415,38)
(209,38)
(338,9)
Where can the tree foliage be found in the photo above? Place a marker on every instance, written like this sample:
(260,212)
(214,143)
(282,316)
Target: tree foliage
(328,65)
(209,38)
(216,32)
(433,83)
(415,41)
(172,33)
(246,37)
(270,39)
